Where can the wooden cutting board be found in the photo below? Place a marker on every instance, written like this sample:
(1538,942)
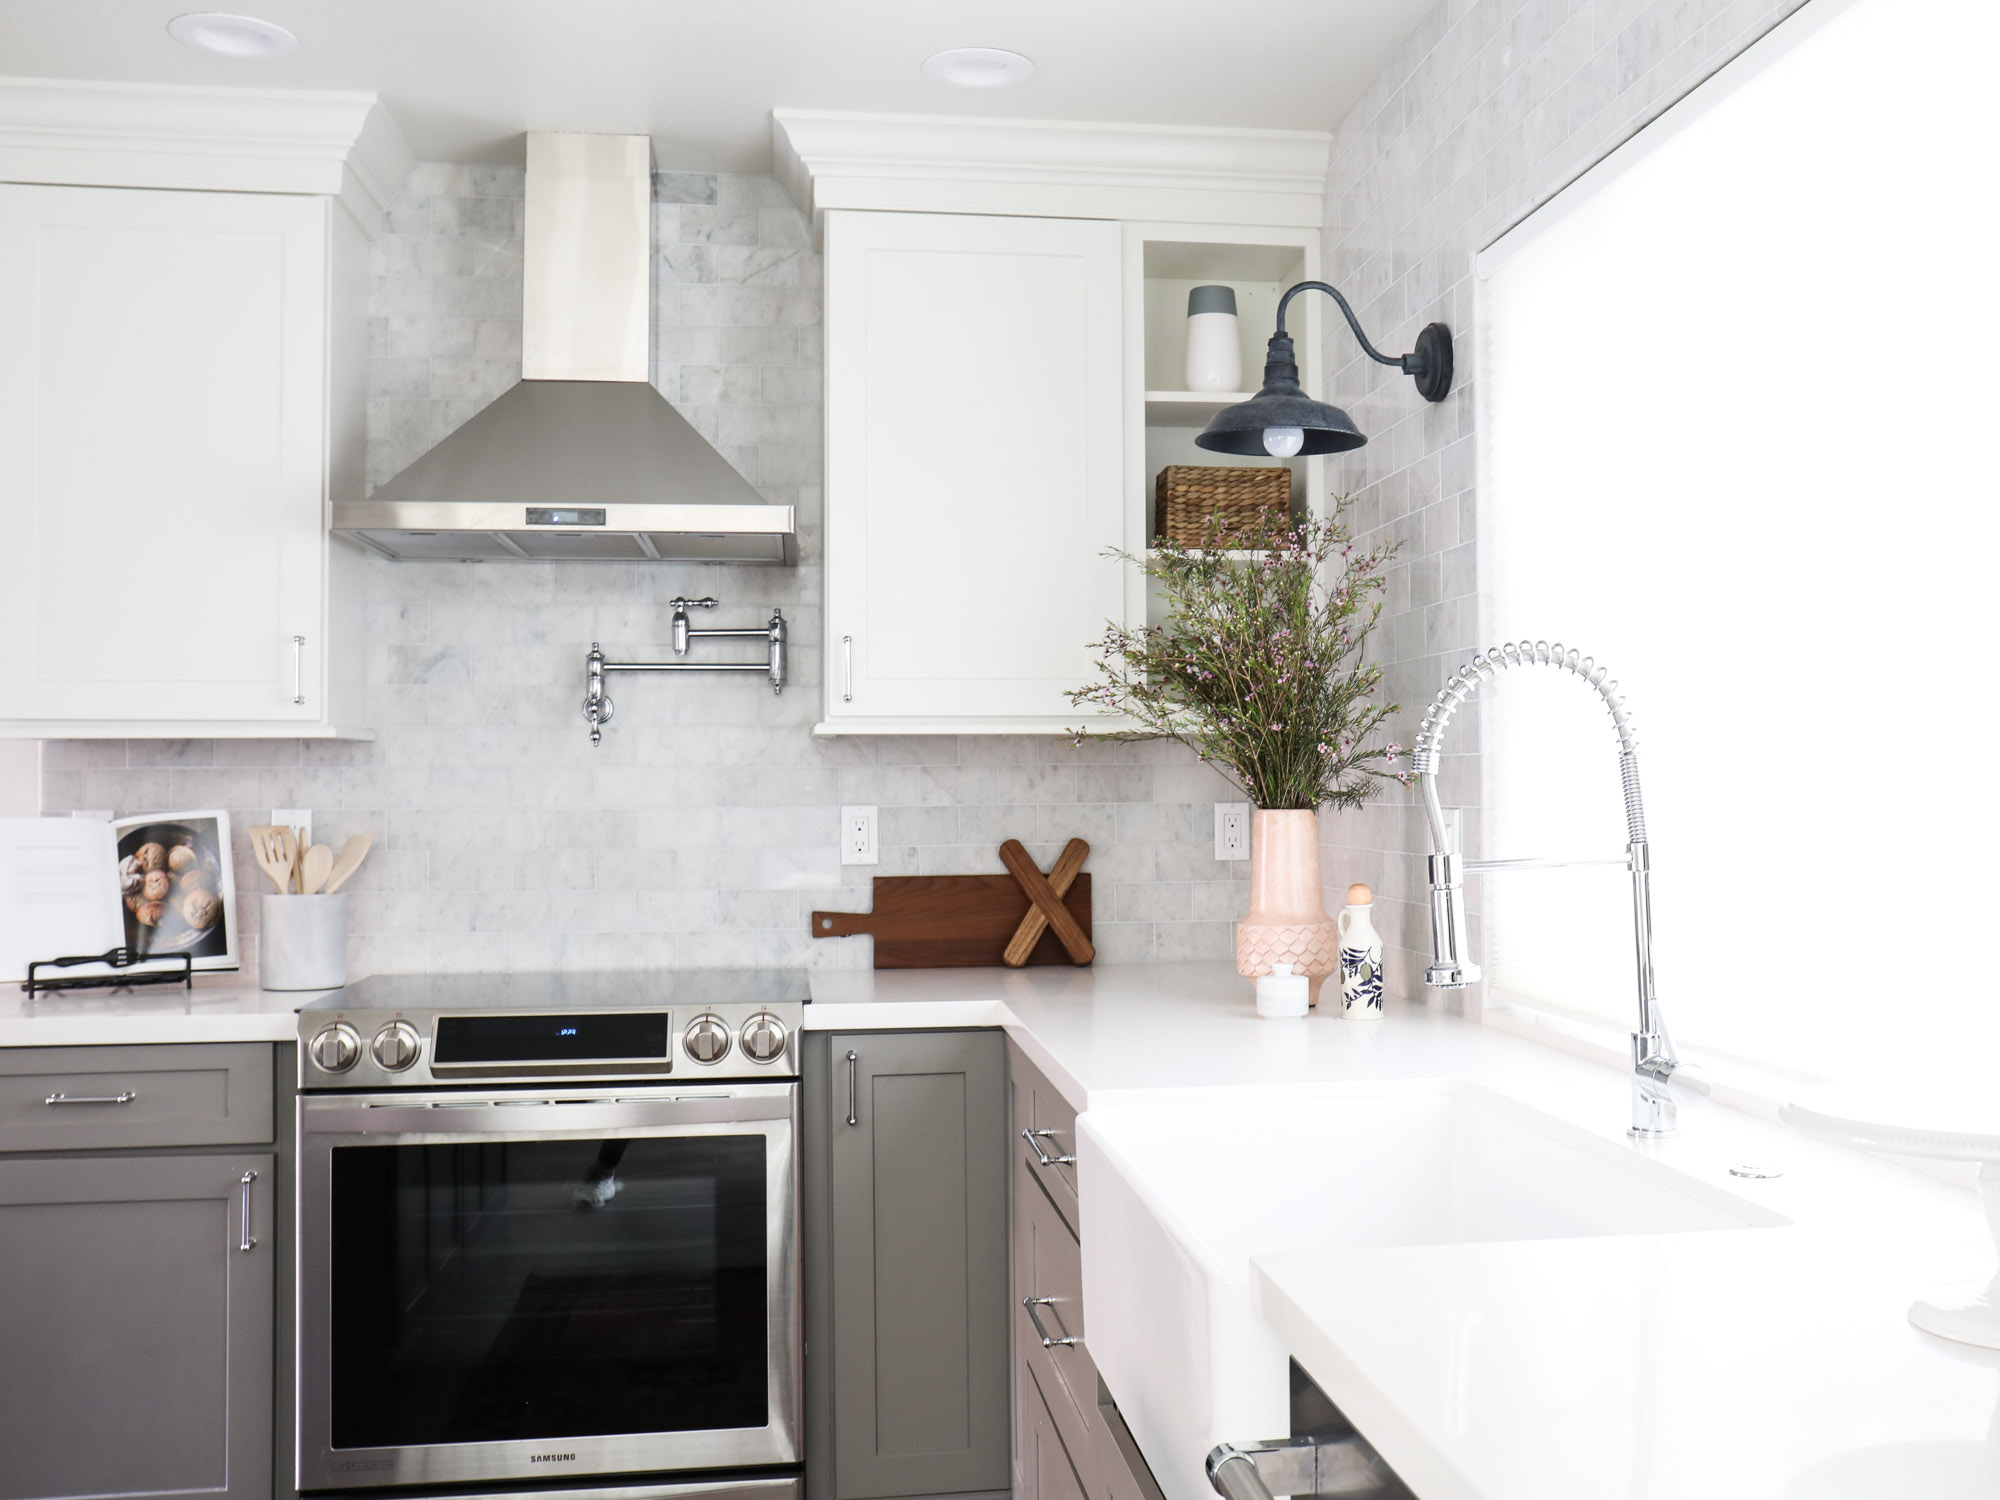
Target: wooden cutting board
(949,921)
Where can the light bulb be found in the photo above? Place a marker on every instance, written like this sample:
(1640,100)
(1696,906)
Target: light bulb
(1283,442)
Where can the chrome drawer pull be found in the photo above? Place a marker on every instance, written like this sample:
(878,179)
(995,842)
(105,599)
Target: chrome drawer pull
(852,1093)
(245,1240)
(298,669)
(1034,1138)
(125,1098)
(1031,1303)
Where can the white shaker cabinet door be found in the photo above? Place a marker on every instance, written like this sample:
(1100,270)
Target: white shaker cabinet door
(162,455)
(974,467)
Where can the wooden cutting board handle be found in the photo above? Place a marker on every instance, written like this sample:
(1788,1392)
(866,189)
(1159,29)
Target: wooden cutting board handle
(842,924)
(1035,923)
(1021,865)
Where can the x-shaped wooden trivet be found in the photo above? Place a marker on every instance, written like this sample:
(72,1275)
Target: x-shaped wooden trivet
(1046,907)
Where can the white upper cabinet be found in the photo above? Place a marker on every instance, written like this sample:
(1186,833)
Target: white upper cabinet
(975,463)
(162,389)
(180,396)
(996,291)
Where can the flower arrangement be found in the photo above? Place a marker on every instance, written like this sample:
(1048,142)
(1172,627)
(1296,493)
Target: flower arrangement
(1258,666)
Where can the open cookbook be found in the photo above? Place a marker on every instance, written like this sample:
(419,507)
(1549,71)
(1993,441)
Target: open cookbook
(161,885)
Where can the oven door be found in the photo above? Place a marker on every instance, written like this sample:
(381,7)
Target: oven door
(533,1284)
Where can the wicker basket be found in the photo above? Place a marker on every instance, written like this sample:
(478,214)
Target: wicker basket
(1186,495)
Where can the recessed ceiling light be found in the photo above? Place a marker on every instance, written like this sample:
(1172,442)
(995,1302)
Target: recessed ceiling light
(978,68)
(232,36)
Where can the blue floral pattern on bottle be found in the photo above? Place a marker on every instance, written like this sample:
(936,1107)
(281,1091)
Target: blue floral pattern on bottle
(1361,980)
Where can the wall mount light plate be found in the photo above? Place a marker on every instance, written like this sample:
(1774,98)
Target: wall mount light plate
(243,37)
(978,68)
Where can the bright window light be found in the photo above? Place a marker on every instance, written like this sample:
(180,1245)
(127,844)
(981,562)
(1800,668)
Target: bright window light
(1739,388)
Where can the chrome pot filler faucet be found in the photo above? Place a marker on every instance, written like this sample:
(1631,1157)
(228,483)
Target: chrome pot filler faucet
(1657,1074)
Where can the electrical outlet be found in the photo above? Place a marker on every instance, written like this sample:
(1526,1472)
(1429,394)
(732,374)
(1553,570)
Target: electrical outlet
(857,836)
(300,818)
(1232,830)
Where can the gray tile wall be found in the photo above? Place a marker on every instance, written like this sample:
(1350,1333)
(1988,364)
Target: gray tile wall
(702,832)
(1488,110)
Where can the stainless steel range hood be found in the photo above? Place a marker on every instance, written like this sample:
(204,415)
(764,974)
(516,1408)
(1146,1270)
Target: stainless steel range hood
(584,459)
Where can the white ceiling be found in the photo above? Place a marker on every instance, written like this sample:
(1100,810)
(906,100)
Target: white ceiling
(465,77)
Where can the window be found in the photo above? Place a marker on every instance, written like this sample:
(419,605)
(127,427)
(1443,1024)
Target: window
(1739,385)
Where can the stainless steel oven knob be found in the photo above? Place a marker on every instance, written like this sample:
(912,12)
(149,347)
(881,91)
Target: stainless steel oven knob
(764,1037)
(337,1048)
(707,1039)
(396,1046)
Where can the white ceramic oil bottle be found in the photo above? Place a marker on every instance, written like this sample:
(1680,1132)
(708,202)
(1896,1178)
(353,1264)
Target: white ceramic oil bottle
(1360,957)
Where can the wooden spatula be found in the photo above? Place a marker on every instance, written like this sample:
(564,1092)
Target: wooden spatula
(351,854)
(314,868)
(1029,933)
(289,838)
(268,849)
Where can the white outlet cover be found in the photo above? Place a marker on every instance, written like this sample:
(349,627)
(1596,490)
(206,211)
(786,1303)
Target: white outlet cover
(300,818)
(858,836)
(1232,830)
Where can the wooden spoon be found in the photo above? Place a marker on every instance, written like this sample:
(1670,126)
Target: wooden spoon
(351,854)
(269,851)
(314,869)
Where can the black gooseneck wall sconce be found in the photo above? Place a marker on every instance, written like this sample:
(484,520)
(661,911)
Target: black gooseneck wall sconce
(1282,420)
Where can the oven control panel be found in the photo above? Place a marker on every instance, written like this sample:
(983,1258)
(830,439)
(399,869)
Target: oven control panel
(373,1049)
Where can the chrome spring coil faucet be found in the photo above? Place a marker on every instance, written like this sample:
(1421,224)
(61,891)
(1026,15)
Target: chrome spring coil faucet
(1659,1078)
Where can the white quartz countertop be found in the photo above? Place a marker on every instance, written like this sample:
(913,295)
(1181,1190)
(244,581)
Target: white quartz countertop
(210,1012)
(1770,1363)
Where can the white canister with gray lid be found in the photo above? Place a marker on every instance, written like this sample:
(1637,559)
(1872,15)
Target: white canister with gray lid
(302,944)
(1214,350)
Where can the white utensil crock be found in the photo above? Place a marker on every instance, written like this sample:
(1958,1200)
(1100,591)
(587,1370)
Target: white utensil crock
(303,943)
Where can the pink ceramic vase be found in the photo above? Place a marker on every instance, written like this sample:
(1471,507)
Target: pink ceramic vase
(1287,921)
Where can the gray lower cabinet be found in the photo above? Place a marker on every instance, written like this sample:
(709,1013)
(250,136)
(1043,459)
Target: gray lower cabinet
(1069,1441)
(912,1265)
(1050,1471)
(136,1358)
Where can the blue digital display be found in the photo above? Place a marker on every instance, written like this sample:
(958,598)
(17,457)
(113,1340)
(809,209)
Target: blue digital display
(636,1035)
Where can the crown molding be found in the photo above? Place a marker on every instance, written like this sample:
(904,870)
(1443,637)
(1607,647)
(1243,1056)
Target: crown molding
(1050,168)
(73,131)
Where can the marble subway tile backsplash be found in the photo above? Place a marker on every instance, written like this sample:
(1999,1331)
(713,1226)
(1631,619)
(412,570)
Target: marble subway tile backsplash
(702,831)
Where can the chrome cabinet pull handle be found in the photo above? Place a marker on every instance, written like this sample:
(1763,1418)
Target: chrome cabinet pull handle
(298,669)
(1034,1138)
(1031,1303)
(125,1098)
(847,669)
(852,1091)
(245,1241)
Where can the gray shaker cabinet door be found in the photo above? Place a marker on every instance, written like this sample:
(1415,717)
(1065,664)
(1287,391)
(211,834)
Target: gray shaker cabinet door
(136,1358)
(919,1209)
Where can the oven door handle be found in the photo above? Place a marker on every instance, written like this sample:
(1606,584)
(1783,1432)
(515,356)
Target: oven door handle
(420,1114)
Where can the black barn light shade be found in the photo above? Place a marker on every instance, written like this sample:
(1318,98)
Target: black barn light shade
(1282,420)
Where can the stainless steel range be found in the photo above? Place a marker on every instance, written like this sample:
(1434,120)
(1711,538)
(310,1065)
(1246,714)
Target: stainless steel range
(548,1227)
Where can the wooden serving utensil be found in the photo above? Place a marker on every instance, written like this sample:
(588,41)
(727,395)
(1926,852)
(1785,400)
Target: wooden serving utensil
(314,868)
(1029,933)
(351,855)
(268,849)
(289,839)
(1021,865)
